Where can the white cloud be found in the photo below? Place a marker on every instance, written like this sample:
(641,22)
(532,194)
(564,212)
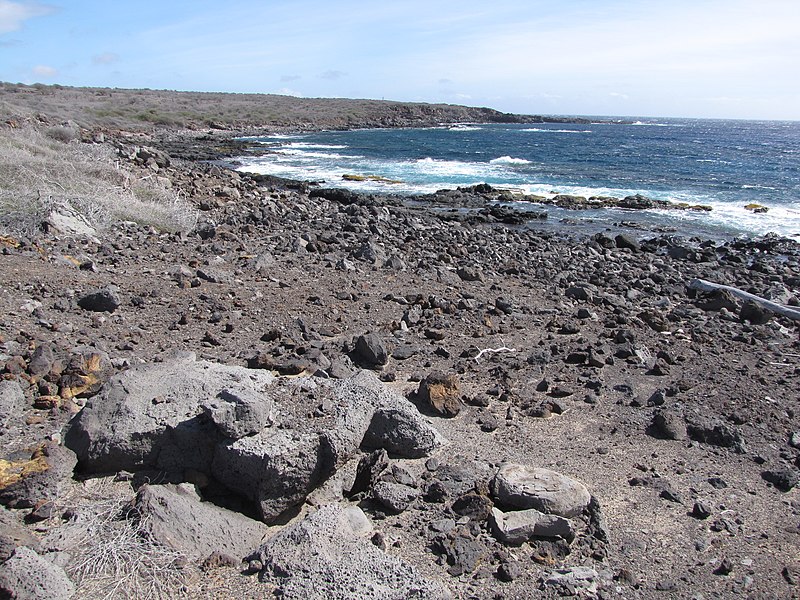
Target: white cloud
(289,92)
(106,58)
(44,71)
(333,75)
(14,14)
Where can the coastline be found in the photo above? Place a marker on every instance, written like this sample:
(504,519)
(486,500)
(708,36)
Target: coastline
(587,355)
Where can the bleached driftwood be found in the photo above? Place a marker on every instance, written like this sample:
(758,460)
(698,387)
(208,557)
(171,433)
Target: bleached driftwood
(494,351)
(707,286)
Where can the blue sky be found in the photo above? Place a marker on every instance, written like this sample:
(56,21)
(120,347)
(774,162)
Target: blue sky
(699,58)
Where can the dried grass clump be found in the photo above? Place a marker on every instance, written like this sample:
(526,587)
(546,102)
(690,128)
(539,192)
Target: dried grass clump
(112,556)
(43,172)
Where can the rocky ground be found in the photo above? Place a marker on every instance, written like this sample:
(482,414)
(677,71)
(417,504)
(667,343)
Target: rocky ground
(387,400)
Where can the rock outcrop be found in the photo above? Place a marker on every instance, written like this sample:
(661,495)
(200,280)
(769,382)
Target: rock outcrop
(243,428)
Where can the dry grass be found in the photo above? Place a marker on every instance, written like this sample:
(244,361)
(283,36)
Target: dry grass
(112,555)
(45,171)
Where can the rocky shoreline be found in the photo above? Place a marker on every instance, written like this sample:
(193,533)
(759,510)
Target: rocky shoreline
(316,393)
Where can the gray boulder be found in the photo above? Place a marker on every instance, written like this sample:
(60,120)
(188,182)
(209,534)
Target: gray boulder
(240,412)
(517,527)
(327,556)
(370,351)
(396,497)
(402,433)
(152,416)
(522,486)
(28,576)
(583,581)
(275,469)
(175,516)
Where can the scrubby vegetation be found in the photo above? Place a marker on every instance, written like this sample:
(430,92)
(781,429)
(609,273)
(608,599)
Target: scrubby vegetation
(49,170)
(145,109)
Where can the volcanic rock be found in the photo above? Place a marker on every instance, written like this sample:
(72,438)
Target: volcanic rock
(103,300)
(370,351)
(183,416)
(327,556)
(43,476)
(174,516)
(526,487)
(517,527)
(26,575)
(441,393)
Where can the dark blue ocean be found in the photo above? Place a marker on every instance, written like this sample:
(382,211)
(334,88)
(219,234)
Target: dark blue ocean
(723,164)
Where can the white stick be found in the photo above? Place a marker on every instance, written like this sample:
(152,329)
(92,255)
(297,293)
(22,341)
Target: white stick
(706,286)
(494,351)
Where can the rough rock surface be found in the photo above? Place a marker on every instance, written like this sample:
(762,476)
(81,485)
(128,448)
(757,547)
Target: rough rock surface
(528,487)
(243,427)
(175,516)
(326,556)
(517,527)
(42,477)
(12,402)
(441,393)
(28,576)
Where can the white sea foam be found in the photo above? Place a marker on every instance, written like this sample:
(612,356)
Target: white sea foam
(305,154)
(541,130)
(646,124)
(757,187)
(313,146)
(509,160)
(282,136)
(465,128)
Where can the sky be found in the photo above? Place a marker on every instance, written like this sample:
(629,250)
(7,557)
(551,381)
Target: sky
(679,58)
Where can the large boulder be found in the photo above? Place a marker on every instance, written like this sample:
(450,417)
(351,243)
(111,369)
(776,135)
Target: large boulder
(173,515)
(524,487)
(327,556)
(152,416)
(270,440)
(275,469)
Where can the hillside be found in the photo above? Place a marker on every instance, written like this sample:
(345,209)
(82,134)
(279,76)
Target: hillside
(142,110)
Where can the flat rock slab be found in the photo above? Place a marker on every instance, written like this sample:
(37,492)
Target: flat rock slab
(522,486)
(174,515)
(517,527)
(327,556)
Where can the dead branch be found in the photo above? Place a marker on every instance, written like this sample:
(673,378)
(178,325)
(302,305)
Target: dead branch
(707,286)
(494,351)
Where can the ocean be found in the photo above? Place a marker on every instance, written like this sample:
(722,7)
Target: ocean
(722,164)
